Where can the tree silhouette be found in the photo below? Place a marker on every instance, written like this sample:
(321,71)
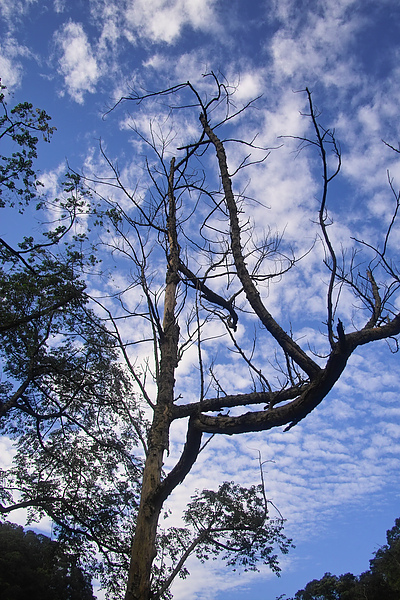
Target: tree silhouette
(33,566)
(193,270)
(215,269)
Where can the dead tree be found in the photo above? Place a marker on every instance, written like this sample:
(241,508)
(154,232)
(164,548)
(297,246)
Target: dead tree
(213,274)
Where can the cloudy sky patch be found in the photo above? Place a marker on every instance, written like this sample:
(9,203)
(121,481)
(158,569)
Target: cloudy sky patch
(77,63)
(77,59)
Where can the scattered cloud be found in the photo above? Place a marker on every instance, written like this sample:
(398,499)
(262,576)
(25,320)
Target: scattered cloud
(311,39)
(77,63)
(163,21)
(59,6)
(151,21)
(347,450)
(11,64)
(11,11)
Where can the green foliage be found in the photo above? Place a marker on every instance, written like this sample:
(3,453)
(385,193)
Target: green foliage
(51,345)
(330,587)
(386,562)
(232,523)
(68,405)
(19,128)
(32,566)
(65,401)
(382,581)
(75,446)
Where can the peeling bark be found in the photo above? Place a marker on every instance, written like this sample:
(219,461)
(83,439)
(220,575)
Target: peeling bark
(143,549)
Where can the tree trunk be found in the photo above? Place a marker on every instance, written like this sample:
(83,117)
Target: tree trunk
(143,550)
(144,542)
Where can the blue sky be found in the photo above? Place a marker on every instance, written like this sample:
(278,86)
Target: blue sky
(335,477)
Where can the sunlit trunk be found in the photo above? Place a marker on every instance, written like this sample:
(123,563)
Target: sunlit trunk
(144,543)
(144,550)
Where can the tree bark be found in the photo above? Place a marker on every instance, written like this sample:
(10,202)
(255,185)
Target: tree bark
(288,345)
(143,550)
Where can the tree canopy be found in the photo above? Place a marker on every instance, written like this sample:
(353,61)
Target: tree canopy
(62,382)
(34,566)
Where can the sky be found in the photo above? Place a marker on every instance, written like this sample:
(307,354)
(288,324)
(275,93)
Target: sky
(335,477)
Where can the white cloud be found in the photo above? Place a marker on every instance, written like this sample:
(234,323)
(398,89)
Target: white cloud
(162,21)
(251,85)
(12,10)
(59,6)
(10,72)
(11,69)
(77,64)
(312,44)
(152,20)
(7,452)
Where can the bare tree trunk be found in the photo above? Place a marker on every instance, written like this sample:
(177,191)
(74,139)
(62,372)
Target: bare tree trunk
(144,542)
(144,550)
